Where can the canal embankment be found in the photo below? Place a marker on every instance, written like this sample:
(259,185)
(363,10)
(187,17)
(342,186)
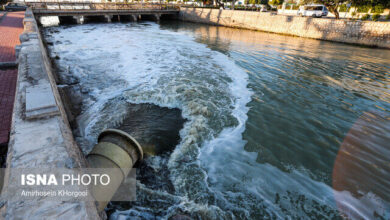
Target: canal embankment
(367,33)
(40,135)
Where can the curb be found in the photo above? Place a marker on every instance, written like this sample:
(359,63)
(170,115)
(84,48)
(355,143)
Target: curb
(8,65)
(3,16)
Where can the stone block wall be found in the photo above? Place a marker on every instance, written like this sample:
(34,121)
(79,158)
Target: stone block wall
(367,33)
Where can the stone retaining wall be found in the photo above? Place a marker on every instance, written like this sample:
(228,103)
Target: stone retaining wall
(367,33)
(40,134)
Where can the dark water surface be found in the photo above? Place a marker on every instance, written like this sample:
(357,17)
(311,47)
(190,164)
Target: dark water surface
(277,126)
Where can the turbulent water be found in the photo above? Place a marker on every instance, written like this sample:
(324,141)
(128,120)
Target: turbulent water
(266,118)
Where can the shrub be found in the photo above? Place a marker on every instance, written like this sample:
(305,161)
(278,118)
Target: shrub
(264,2)
(375,17)
(353,13)
(388,16)
(343,8)
(377,9)
(365,17)
(276,2)
(363,8)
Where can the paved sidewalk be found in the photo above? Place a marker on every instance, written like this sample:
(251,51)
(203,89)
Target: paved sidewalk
(11,26)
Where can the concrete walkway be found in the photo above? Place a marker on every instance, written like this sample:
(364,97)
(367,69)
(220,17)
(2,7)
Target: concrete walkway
(45,141)
(11,26)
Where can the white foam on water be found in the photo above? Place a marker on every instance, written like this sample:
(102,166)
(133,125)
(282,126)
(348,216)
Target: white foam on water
(147,65)
(47,21)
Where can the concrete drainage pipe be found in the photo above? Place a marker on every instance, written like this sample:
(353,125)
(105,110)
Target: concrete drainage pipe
(115,149)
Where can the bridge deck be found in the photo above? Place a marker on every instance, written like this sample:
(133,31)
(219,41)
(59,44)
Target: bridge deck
(75,9)
(100,12)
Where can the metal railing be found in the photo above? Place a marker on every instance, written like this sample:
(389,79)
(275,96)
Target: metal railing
(83,6)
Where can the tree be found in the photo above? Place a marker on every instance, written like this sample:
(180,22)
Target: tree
(3,2)
(384,3)
(332,5)
(371,3)
(264,2)
(276,2)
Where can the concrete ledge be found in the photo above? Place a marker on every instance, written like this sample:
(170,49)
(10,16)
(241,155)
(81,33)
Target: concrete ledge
(40,135)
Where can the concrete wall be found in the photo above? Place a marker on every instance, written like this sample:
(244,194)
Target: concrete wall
(40,133)
(355,32)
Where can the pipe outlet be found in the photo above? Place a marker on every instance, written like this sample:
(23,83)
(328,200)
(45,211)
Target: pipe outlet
(115,149)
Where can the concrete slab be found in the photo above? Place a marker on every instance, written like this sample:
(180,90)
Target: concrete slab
(40,102)
(38,97)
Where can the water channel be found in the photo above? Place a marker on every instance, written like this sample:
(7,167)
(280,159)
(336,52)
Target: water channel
(240,124)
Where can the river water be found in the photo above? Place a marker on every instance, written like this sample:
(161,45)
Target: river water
(274,126)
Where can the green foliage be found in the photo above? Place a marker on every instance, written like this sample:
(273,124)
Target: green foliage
(376,17)
(376,6)
(378,9)
(252,1)
(343,8)
(3,2)
(325,2)
(388,16)
(276,2)
(384,3)
(295,7)
(368,3)
(365,17)
(363,8)
(264,2)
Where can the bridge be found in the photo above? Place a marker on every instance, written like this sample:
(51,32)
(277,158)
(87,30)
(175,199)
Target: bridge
(81,11)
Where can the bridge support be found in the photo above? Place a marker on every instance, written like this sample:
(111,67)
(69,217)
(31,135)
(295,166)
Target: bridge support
(134,17)
(157,17)
(79,19)
(108,18)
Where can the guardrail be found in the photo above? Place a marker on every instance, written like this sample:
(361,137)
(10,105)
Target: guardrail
(82,6)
